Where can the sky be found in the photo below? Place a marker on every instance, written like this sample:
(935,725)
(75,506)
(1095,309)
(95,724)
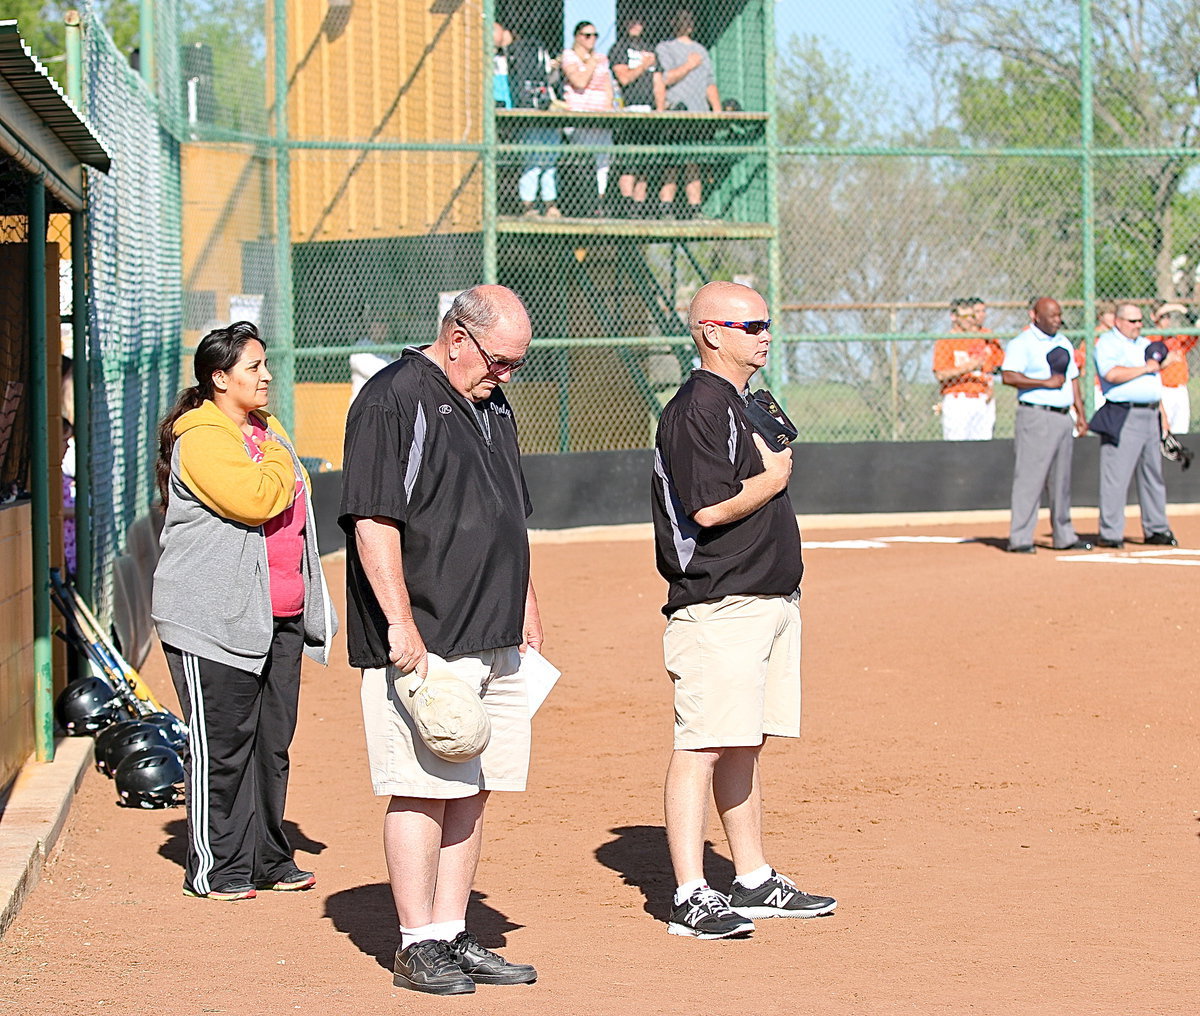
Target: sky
(872,32)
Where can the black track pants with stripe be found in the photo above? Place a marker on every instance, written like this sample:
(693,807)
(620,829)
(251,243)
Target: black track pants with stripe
(240,727)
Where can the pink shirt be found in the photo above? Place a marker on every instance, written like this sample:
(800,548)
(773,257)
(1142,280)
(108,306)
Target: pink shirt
(285,542)
(597,97)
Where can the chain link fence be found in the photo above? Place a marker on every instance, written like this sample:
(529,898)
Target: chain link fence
(134,288)
(343,167)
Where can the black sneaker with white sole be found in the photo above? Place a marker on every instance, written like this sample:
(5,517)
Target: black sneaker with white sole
(486,967)
(428,966)
(778,897)
(706,914)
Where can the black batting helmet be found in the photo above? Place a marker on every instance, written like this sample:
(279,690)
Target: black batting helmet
(120,746)
(107,737)
(150,778)
(172,726)
(86,706)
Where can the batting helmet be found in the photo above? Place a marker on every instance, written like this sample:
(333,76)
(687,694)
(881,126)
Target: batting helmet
(86,706)
(120,746)
(109,736)
(172,726)
(150,778)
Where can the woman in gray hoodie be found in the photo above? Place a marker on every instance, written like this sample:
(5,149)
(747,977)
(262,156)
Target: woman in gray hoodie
(238,596)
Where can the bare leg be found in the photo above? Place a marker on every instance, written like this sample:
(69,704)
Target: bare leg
(462,838)
(692,187)
(666,193)
(689,779)
(412,837)
(738,795)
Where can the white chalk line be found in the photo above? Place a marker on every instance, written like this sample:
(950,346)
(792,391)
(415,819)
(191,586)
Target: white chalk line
(1181,556)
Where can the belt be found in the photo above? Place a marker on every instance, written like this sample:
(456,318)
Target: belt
(1138,405)
(1048,409)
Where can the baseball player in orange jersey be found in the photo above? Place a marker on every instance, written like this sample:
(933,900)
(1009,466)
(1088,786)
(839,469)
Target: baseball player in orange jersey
(965,368)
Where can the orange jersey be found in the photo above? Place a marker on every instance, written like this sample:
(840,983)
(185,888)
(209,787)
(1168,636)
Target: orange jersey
(954,354)
(1175,375)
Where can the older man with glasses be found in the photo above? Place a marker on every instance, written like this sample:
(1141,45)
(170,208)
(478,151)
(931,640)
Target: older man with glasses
(1129,367)
(727,543)
(437,569)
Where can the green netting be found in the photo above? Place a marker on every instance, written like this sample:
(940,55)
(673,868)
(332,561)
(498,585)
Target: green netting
(133,235)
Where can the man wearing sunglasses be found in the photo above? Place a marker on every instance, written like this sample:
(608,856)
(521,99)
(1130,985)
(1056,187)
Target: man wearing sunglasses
(1130,367)
(437,564)
(727,543)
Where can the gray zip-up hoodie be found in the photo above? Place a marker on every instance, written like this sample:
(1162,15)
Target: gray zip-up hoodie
(212,594)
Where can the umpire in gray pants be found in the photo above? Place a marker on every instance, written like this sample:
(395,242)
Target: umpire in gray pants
(1129,367)
(1039,363)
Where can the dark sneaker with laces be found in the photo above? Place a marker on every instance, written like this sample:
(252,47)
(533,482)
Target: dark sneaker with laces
(289,881)
(706,914)
(428,966)
(486,967)
(778,897)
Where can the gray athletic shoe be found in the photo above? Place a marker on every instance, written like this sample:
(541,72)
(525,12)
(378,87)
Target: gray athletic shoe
(778,897)
(706,914)
(428,966)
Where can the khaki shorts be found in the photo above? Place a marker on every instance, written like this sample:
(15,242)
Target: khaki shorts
(736,667)
(401,765)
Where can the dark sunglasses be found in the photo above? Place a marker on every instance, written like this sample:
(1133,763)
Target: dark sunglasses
(494,365)
(749,327)
(590,35)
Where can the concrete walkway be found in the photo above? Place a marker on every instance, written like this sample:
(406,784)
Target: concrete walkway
(34,816)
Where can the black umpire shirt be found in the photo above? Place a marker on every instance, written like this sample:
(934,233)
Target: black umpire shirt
(703,452)
(449,472)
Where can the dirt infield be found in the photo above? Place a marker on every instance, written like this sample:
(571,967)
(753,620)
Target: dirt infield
(998,779)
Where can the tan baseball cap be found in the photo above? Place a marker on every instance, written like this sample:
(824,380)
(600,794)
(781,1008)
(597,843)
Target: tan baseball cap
(449,715)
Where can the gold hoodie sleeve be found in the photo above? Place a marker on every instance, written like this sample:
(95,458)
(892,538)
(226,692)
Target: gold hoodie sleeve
(214,465)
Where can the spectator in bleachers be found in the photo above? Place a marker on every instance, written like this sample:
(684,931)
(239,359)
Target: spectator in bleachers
(633,66)
(529,69)
(587,88)
(684,80)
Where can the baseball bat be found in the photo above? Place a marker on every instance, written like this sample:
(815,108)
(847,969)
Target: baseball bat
(98,664)
(112,661)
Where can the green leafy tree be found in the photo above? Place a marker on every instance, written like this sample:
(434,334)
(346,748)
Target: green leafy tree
(1016,73)
(856,234)
(42,28)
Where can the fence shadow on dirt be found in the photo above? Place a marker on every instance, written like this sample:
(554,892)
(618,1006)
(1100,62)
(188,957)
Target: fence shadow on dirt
(639,855)
(367,916)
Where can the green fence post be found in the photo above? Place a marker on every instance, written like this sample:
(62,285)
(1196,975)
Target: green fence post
(79,332)
(488,209)
(39,471)
(146,61)
(283,342)
(1088,183)
(774,292)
